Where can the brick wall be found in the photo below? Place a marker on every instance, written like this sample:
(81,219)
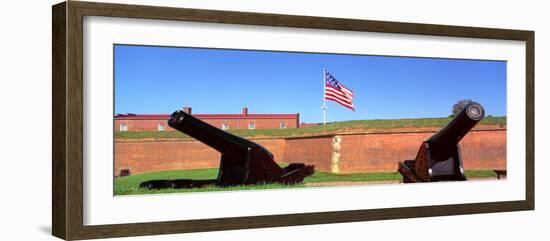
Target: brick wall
(264,123)
(259,123)
(143,125)
(150,156)
(484,150)
(367,152)
(381,152)
(313,151)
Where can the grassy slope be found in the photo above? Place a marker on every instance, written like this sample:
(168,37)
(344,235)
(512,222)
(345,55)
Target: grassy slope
(130,184)
(332,127)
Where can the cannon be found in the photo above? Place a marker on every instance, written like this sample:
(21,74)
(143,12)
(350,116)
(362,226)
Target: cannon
(243,162)
(439,157)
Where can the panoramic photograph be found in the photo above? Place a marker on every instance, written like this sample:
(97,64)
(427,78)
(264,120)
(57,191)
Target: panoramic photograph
(192,119)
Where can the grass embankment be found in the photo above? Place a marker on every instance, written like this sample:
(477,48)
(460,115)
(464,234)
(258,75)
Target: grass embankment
(309,130)
(130,184)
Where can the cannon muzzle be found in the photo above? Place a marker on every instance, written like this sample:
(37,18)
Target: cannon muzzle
(444,141)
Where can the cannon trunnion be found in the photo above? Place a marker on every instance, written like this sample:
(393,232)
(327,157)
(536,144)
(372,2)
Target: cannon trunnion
(439,157)
(243,162)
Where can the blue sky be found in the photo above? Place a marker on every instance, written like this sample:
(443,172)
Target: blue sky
(155,80)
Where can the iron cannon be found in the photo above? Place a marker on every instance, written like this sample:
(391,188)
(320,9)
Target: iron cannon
(439,157)
(243,162)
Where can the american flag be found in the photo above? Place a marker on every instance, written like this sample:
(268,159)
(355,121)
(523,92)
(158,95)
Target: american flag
(337,92)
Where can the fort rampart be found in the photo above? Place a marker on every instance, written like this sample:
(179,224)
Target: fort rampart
(376,151)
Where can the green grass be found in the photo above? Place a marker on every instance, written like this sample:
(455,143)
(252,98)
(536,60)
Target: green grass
(480,173)
(130,184)
(329,128)
(353,177)
(125,190)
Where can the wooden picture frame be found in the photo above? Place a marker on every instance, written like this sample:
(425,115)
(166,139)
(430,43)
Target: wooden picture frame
(67,124)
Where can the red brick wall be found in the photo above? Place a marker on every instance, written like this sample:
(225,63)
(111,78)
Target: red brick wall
(381,152)
(152,125)
(260,123)
(378,152)
(313,151)
(481,149)
(484,150)
(143,125)
(150,156)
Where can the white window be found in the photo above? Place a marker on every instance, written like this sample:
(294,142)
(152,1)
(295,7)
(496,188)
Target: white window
(282,125)
(123,127)
(251,125)
(161,127)
(225,126)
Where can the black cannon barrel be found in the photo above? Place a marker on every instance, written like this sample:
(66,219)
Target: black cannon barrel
(445,140)
(218,139)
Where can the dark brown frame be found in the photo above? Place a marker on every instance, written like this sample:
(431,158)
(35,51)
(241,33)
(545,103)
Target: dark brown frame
(67,123)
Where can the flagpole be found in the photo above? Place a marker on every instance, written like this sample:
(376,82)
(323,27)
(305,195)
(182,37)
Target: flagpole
(324,99)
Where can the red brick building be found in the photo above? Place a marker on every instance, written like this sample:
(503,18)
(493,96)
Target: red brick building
(244,120)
